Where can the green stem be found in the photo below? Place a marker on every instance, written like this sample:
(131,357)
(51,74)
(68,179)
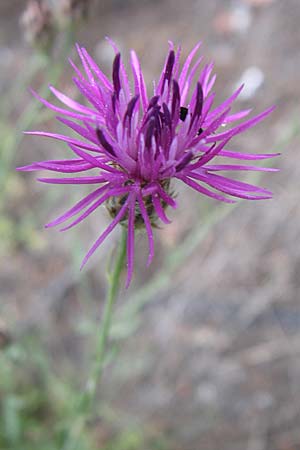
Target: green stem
(114,281)
(86,401)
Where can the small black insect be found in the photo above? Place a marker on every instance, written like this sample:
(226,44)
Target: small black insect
(183,113)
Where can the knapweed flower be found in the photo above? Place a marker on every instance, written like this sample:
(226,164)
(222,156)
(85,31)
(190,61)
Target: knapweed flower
(139,143)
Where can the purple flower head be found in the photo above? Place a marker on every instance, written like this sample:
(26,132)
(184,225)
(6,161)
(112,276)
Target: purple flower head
(139,143)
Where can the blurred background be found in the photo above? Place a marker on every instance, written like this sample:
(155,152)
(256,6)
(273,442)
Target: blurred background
(205,347)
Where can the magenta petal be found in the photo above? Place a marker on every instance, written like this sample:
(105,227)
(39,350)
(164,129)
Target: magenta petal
(85,65)
(124,77)
(217,167)
(203,190)
(213,126)
(61,166)
(237,116)
(247,156)
(225,104)
(80,130)
(73,180)
(70,102)
(78,207)
(66,168)
(64,138)
(95,162)
(29,167)
(63,111)
(203,160)
(89,93)
(236,192)
(159,209)
(228,182)
(87,213)
(107,231)
(148,227)
(242,127)
(130,238)
(187,64)
(166,198)
(140,85)
(102,78)
(112,192)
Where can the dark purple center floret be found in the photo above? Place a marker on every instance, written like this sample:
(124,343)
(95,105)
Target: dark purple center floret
(104,143)
(168,71)
(116,75)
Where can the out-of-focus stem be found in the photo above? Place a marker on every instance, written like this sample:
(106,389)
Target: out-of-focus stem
(114,281)
(86,401)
